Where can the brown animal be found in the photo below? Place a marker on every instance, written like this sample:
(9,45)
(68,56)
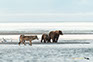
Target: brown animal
(27,38)
(45,37)
(54,35)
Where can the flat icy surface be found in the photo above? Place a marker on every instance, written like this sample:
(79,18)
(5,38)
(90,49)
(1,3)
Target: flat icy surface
(68,51)
(46,53)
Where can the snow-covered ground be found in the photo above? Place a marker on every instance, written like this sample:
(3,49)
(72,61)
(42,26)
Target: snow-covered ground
(66,27)
(46,53)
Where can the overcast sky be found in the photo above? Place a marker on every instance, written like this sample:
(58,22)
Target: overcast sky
(46,10)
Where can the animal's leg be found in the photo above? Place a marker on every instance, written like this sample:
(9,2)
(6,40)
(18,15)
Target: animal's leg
(30,42)
(24,42)
(20,42)
(49,40)
(53,40)
(41,40)
(56,39)
(44,41)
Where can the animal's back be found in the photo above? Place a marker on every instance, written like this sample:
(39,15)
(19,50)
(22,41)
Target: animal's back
(27,37)
(44,36)
(51,34)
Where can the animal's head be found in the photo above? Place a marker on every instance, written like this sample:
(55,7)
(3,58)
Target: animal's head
(59,32)
(36,37)
(22,35)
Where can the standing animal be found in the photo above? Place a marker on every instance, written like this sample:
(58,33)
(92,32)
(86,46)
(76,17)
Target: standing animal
(27,38)
(54,35)
(45,37)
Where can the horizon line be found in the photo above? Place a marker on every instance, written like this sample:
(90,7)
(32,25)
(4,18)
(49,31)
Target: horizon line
(44,21)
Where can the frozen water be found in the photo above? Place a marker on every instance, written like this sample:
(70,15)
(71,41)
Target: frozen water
(46,53)
(66,27)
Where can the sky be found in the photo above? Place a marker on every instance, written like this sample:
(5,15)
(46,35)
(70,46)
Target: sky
(46,10)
